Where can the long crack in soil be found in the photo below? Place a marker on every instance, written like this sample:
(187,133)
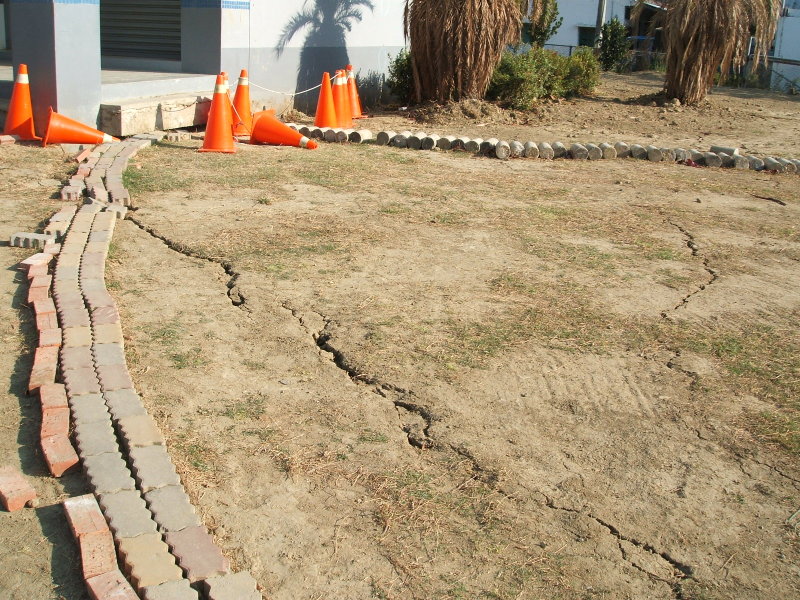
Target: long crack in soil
(692,245)
(681,570)
(234,292)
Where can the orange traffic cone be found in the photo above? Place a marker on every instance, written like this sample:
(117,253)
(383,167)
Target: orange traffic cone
(63,130)
(341,101)
(19,120)
(219,129)
(352,90)
(269,130)
(326,112)
(242,112)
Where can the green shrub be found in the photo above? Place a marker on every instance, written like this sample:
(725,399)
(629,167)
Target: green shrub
(521,79)
(614,46)
(583,73)
(401,80)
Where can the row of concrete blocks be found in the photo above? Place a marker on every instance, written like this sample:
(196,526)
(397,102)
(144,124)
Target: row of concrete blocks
(333,134)
(121,448)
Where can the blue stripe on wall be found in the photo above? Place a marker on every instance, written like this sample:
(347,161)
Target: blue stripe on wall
(231,4)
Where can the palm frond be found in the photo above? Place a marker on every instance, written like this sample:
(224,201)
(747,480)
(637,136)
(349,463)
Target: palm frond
(302,19)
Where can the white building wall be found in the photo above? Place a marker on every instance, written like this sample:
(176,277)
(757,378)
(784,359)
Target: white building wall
(787,46)
(583,13)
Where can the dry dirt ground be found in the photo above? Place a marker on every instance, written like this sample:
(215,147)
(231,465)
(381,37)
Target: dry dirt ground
(392,374)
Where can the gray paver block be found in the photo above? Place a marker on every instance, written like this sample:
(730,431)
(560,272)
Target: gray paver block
(171,508)
(152,468)
(147,560)
(81,381)
(171,590)
(114,377)
(76,357)
(74,316)
(103,315)
(124,403)
(108,473)
(197,554)
(108,354)
(139,430)
(127,514)
(77,336)
(31,240)
(235,586)
(95,438)
(89,408)
(108,334)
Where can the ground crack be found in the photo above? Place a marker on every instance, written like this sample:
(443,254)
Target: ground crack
(682,571)
(235,294)
(695,249)
(415,419)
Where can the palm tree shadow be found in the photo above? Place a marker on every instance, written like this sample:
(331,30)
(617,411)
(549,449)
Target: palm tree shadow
(325,47)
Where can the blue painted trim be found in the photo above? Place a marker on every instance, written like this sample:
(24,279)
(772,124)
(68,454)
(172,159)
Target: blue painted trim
(229,4)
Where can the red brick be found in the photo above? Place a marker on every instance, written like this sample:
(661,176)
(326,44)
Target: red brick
(84,515)
(44,367)
(8,139)
(36,259)
(84,154)
(98,555)
(55,421)
(41,281)
(53,395)
(50,337)
(44,307)
(46,321)
(36,294)
(59,454)
(15,491)
(197,554)
(110,586)
(37,271)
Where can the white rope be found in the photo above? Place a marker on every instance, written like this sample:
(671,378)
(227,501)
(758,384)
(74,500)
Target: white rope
(316,87)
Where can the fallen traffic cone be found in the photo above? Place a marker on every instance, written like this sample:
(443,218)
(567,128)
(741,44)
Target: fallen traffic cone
(63,130)
(19,120)
(269,130)
(326,111)
(352,90)
(219,129)
(242,112)
(341,101)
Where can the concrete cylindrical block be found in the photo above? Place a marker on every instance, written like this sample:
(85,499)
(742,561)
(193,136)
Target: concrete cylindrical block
(773,165)
(638,151)
(531,150)
(711,159)
(730,151)
(400,140)
(595,152)
(318,133)
(487,146)
(415,141)
(668,155)
(696,156)
(473,146)
(623,151)
(429,142)
(546,151)
(756,164)
(680,154)
(796,163)
(305,130)
(294,126)
(384,137)
(460,143)
(654,154)
(330,134)
(578,151)
(559,150)
(608,151)
(343,135)
(360,136)
(788,165)
(445,142)
(740,162)
(727,159)
(517,149)
(502,150)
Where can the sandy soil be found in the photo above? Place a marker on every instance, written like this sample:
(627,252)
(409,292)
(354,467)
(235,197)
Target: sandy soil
(388,374)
